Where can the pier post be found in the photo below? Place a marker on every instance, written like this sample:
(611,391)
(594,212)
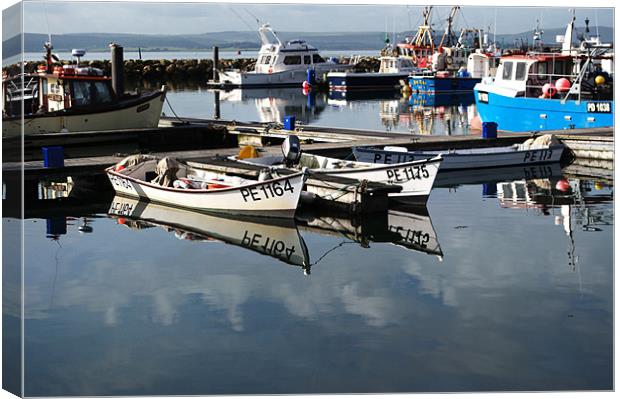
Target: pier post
(117,69)
(216,61)
(216,95)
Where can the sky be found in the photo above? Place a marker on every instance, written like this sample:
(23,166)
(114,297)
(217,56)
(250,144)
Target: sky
(58,17)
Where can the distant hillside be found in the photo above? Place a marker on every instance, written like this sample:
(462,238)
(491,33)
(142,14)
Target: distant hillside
(241,40)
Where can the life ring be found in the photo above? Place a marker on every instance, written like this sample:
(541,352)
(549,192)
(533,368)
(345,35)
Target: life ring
(449,60)
(270,69)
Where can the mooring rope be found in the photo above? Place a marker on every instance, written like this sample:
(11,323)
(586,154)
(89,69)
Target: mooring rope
(175,114)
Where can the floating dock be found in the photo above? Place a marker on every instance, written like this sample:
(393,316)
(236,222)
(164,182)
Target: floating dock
(89,153)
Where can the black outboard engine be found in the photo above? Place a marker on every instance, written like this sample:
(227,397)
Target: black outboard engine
(291,149)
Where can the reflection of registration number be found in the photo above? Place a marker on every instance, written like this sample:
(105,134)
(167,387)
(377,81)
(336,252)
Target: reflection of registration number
(267,245)
(266,191)
(483,97)
(603,108)
(121,208)
(405,174)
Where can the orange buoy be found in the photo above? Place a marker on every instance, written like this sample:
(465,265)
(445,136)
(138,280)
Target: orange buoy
(562,185)
(562,85)
(549,90)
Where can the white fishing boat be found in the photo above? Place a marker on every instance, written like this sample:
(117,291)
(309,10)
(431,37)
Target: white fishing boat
(416,178)
(172,182)
(277,238)
(281,64)
(72,98)
(545,149)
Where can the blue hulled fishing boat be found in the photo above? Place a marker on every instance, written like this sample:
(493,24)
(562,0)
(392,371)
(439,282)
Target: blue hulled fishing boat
(550,91)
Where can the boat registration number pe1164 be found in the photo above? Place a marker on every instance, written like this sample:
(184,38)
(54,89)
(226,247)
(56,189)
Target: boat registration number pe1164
(266,191)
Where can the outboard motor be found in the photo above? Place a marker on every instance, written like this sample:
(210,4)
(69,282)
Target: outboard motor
(291,149)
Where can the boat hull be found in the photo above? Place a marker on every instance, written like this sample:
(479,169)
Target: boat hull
(274,198)
(452,161)
(293,78)
(142,113)
(433,84)
(523,114)
(415,178)
(364,80)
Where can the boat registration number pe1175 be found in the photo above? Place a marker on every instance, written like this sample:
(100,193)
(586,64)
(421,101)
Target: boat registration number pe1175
(398,175)
(266,191)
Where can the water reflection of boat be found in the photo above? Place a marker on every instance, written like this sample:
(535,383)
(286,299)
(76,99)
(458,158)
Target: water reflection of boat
(273,104)
(402,227)
(429,119)
(279,239)
(451,178)
(441,99)
(551,192)
(337,97)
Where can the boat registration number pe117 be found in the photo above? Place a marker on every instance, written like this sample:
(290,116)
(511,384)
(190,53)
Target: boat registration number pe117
(601,108)
(266,191)
(537,156)
(398,175)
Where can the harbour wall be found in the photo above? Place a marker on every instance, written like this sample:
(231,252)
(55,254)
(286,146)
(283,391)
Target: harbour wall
(176,69)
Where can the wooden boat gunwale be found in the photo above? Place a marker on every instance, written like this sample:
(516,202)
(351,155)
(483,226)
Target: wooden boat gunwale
(111,170)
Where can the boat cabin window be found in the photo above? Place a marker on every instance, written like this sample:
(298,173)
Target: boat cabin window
(86,92)
(507,72)
(307,60)
(292,60)
(521,69)
(265,60)
(317,58)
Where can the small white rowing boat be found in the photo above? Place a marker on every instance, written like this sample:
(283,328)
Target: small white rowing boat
(171,182)
(518,154)
(416,178)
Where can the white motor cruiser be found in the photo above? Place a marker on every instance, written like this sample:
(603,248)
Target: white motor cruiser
(281,64)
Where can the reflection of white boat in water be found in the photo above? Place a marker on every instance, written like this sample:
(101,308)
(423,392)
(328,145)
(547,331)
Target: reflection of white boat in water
(452,178)
(281,64)
(416,231)
(276,238)
(274,103)
(407,229)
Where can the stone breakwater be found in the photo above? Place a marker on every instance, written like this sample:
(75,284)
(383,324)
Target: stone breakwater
(178,68)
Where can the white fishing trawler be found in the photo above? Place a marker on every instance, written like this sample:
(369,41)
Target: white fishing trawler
(281,64)
(73,98)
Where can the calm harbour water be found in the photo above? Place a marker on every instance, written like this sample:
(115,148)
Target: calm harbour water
(504,284)
(389,111)
(495,289)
